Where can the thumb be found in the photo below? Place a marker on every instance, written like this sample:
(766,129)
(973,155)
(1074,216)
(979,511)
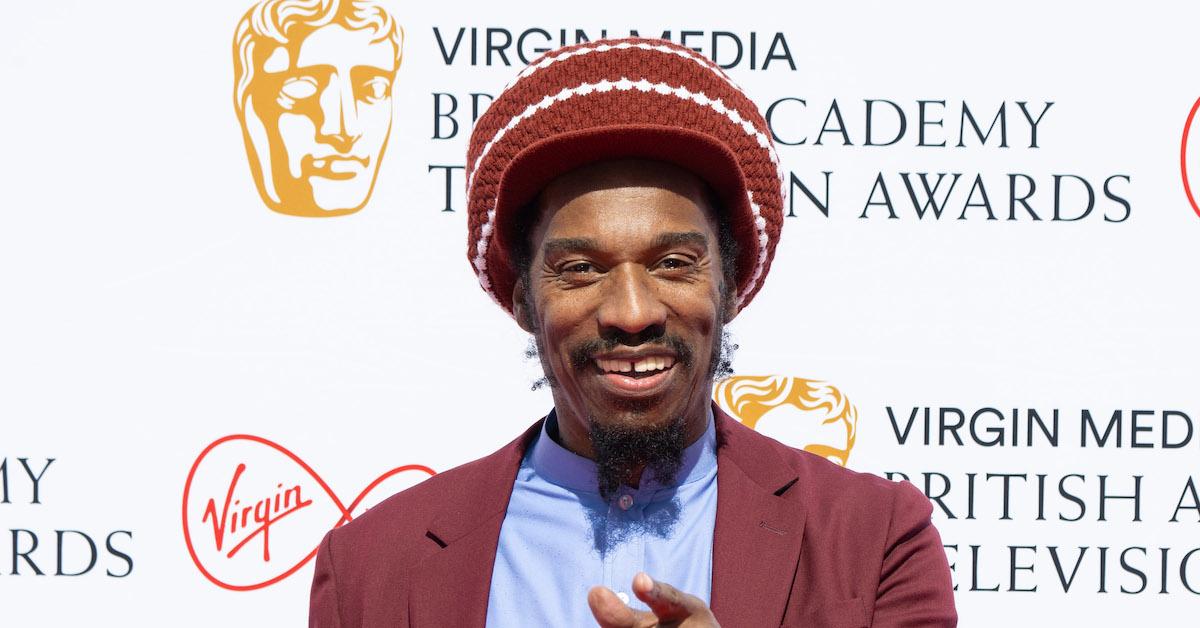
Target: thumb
(668,603)
(609,610)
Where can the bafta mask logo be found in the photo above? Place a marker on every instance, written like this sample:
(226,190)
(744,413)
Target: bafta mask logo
(313,86)
(804,413)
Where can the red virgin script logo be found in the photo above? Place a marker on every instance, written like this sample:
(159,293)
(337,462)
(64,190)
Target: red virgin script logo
(1194,150)
(254,512)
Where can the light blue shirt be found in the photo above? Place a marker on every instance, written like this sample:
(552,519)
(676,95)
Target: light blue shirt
(559,538)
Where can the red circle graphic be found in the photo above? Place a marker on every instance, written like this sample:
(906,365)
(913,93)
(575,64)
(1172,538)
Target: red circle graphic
(1183,165)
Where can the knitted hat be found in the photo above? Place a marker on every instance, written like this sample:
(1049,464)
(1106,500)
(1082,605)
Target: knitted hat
(611,99)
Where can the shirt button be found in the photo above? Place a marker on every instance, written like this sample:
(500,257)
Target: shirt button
(626,502)
(623,597)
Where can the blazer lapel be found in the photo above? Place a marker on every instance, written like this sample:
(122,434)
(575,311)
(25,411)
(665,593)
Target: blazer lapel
(758,534)
(451,586)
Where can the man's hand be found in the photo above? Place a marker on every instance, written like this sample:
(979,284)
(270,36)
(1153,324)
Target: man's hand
(671,607)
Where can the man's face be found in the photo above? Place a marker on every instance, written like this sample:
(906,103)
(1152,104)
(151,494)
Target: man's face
(625,297)
(325,104)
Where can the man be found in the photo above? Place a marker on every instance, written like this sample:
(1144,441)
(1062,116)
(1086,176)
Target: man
(625,203)
(313,91)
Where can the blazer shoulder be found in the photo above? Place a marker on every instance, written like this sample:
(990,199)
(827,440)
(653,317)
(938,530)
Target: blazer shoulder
(364,567)
(402,519)
(850,483)
(831,488)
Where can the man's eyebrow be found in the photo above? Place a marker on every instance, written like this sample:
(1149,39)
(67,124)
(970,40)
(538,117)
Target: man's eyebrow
(568,245)
(680,238)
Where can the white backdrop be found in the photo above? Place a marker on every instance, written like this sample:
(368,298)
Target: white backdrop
(152,304)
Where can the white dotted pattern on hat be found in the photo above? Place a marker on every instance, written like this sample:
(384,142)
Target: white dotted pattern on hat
(551,58)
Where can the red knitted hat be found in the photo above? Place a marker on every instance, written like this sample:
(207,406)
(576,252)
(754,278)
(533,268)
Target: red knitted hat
(609,99)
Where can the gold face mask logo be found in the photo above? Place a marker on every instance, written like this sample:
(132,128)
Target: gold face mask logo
(805,413)
(313,92)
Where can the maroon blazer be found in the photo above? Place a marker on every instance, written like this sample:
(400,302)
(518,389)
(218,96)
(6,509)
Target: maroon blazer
(799,541)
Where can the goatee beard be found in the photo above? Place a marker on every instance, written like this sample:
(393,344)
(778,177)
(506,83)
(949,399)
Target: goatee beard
(622,449)
(619,448)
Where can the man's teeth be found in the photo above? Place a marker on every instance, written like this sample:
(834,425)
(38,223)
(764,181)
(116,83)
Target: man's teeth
(642,365)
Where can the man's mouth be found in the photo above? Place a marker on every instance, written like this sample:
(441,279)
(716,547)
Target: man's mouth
(637,367)
(636,376)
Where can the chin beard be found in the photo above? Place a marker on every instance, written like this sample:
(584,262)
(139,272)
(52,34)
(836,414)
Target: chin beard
(621,449)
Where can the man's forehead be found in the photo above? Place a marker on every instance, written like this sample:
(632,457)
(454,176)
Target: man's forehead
(337,46)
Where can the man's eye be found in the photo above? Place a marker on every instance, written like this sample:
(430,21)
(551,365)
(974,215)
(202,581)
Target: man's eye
(674,263)
(578,267)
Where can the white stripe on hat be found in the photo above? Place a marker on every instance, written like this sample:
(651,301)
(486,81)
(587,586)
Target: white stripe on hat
(760,225)
(686,53)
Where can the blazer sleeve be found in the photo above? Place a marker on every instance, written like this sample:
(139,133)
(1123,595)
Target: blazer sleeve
(323,605)
(915,587)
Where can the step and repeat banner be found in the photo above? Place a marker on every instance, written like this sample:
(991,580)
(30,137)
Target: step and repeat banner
(236,310)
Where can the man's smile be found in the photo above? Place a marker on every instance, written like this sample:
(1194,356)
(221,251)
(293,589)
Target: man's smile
(632,375)
(636,365)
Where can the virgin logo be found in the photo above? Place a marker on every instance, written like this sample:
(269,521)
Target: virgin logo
(254,512)
(1191,174)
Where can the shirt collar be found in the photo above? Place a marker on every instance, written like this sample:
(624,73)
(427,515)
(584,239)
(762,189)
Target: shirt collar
(560,466)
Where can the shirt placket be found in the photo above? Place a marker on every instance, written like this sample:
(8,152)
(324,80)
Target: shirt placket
(635,551)
(627,555)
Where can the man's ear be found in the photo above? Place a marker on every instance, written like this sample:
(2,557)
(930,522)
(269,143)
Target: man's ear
(520,312)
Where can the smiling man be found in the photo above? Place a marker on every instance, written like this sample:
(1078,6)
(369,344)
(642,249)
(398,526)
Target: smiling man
(625,203)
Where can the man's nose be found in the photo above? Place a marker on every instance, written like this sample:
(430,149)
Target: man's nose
(631,301)
(340,127)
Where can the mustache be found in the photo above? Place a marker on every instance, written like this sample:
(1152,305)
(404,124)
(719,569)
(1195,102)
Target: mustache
(583,353)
